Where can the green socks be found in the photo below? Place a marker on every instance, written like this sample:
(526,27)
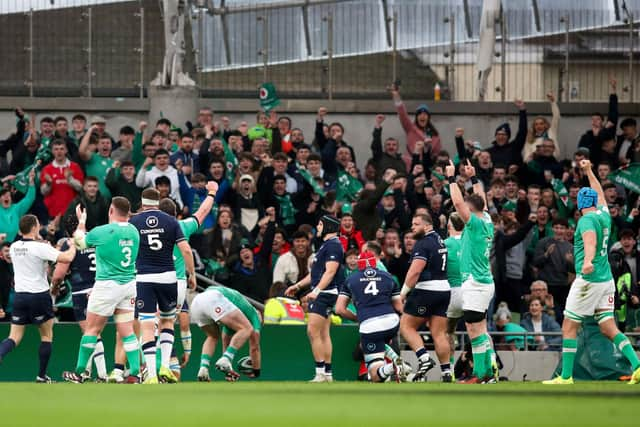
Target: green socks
(87,347)
(230,353)
(491,355)
(132,349)
(569,347)
(205,361)
(479,349)
(623,344)
(390,352)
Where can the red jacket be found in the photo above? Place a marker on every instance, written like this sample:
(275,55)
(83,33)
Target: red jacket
(62,194)
(354,237)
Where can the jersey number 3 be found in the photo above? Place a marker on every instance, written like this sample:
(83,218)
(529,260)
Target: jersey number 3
(126,251)
(371,289)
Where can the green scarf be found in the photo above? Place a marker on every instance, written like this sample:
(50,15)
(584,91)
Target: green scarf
(287,211)
(348,187)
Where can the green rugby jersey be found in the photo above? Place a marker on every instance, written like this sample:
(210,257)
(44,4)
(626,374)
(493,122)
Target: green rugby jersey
(116,251)
(598,221)
(237,299)
(188,226)
(476,241)
(454,248)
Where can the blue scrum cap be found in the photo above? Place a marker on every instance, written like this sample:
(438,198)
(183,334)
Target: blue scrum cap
(587,198)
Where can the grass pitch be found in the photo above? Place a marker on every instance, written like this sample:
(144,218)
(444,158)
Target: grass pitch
(298,404)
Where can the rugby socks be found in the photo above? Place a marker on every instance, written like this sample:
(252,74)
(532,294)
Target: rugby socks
(479,350)
(385,371)
(185,336)
(166,344)
(445,368)
(118,369)
(422,354)
(98,359)
(390,352)
(569,347)
(45,354)
(230,353)
(6,346)
(320,367)
(490,358)
(205,361)
(87,347)
(623,344)
(132,350)
(327,369)
(149,351)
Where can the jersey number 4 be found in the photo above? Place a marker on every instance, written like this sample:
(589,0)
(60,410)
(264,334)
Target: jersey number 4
(155,244)
(371,289)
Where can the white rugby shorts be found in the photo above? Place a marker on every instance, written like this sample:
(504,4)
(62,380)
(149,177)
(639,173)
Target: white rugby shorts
(476,296)
(455,311)
(107,296)
(587,298)
(210,307)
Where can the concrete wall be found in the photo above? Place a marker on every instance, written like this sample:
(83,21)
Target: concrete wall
(479,120)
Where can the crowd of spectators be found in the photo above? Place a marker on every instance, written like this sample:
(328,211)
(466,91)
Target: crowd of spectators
(275,183)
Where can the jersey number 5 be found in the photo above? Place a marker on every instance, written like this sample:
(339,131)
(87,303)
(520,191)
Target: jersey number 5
(371,289)
(155,244)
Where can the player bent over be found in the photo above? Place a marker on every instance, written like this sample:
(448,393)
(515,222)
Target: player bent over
(377,300)
(455,225)
(114,293)
(32,302)
(478,287)
(592,291)
(240,322)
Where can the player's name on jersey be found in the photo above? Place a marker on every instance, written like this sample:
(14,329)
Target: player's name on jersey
(125,242)
(153,230)
(21,251)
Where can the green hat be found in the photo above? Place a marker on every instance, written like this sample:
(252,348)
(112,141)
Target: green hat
(509,206)
(389,192)
(347,209)
(437,175)
(268,97)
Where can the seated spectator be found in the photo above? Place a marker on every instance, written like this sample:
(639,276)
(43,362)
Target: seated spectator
(536,320)
(504,324)
(60,181)
(280,310)
(539,289)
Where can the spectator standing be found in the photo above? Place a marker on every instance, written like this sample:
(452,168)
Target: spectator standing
(60,181)
(541,129)
(293,266)
(161,168)
(10,213)
(95,205)
(121,181)
(508,153)
(387,155)
(95,151)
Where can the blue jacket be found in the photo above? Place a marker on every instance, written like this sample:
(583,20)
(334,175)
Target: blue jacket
(549,324)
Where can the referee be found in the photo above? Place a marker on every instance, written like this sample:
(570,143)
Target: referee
(32,302)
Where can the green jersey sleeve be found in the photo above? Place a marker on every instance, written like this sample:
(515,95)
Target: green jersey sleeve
(95,237)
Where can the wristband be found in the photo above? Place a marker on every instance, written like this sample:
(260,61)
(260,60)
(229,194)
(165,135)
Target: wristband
(474,180)
(452,180)
(212,195)
(316,291)
(404,291)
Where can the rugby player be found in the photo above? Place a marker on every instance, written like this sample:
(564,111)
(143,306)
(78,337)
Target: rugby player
(188,226)
(425,294)
(32,302)
(455,225)
(239,321)
(377,300)
(114,292)
(157,288)
(325,278)
(593,290)
(478,287)
(82,275)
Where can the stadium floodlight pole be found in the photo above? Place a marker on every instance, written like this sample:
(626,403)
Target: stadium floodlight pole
(394,52)
(565,87)
(629,20)
(29,49)
(486,44)
(140,51)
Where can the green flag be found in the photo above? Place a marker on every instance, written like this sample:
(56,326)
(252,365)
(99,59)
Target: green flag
(348,187)
(628,177)
(21,181)
(268,97)
(560,190)
(312,182)
(64,300)
(230,161)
